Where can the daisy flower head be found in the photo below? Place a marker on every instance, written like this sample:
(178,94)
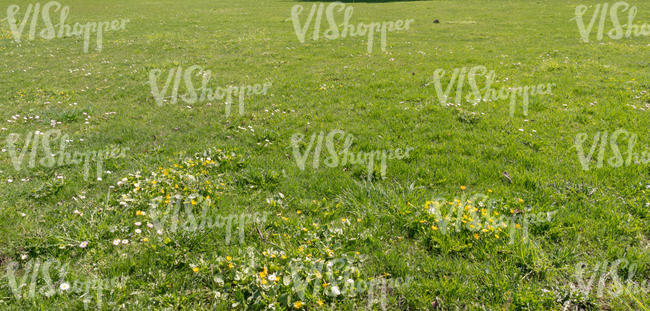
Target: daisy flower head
(64,286)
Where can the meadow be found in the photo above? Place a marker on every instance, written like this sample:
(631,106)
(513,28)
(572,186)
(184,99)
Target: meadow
(232,155)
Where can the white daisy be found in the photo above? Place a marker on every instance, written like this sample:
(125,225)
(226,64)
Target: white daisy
(64,287)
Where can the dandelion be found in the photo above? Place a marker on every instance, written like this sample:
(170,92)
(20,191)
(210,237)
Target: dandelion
(476,236)
(320,302)
(298,212)
(145,240)
(297,304)
(140,213)
(228,258)
(83,244)
(195,269)
(230,265)
(263,273)
(463,187)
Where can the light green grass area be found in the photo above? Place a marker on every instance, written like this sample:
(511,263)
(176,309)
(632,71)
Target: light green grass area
(374,232)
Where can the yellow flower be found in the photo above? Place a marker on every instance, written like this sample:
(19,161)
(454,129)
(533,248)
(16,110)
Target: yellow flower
(298,212)
(434,228)
(195,269)
(284,257)
(264,273)
(463,187)
(230,265)
(297,304)
(193,202)
(490,190)
(139,213)
(343,219)
(476,236)
(521,201)
(228,258)
(320,302)
(145,240)
(358,219)
(518,226)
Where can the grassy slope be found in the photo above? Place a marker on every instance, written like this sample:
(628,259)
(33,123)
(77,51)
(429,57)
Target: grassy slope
(379,98)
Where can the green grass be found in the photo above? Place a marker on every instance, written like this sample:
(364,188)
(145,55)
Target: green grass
(384,100)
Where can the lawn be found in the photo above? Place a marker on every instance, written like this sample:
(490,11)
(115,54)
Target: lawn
(342,178)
